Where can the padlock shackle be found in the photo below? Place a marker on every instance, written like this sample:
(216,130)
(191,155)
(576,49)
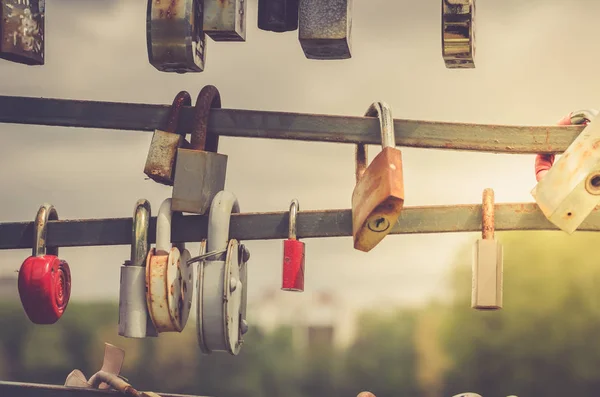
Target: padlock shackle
(208,98)
(487,215)
(46,213)
(361,161)
(182,99)
(383,112)
(139,233)
(294,208)
(163,227)
(219,217)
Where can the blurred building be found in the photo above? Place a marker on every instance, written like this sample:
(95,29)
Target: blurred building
(318,319)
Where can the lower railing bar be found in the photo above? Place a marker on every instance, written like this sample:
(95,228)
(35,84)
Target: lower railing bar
(274,225)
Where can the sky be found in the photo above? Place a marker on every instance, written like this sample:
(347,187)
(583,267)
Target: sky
(536,61)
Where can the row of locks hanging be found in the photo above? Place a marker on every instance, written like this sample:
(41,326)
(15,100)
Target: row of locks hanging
(176,30)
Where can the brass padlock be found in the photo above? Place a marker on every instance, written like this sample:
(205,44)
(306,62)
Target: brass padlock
(200,171)
(174,36)
(22,31)
(570,190)
(458,33)
(225,20)
(160,162)
(378,197)
(325,28)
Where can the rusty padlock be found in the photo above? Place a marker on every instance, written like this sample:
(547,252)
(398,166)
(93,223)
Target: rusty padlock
(225,20)
(378,196)
(200,171)
(293,255)
(22,31)
(458,33)
(160,162)
(44,280)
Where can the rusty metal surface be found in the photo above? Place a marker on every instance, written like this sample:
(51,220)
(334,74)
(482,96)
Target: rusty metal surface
(274,225)
(16,389)
(487,214)
(291,126)
(22,31)
(458,33)
(174,36)
(225,20)
(325,28)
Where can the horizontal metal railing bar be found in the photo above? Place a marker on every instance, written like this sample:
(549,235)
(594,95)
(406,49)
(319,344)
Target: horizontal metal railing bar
(292,126)
(274,225)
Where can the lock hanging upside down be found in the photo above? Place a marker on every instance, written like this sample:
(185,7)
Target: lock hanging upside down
(325,29)
(22,31)
(222,283)
(225,20)
(458,33)
(278,15)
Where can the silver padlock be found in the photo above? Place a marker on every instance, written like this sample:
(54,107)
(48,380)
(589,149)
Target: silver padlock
(458,33)
(222,283)
(200,171)
(169,277)
(325,28)
(225,20)
(570,190)
(174,36)
(134,320)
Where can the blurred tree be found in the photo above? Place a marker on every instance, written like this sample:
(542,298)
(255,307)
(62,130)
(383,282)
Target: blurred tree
(544,341)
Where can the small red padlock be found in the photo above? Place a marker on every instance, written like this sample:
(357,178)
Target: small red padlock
(44,279)
(293,255)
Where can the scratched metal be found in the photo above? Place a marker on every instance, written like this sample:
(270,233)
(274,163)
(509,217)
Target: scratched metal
(225,20)
(325,29)
(274,225)
(174,36)
(22,31)
(291,126)
(458,33)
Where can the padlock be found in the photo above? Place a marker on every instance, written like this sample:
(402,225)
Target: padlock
(378,197)
(44,280)
(160,162)
(200,171)
(278,15)
(486,291)
(174,37)
(293,255)
(467,395)
(22,31)
(169,277)
(325,28)
(225,20)
(570,190)
(458,33)
(134,320)
(222,283)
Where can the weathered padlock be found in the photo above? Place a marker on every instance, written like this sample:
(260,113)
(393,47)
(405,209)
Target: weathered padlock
(278,15)
(22,31)
(458,33)
(378,197)
(44,281)
(160,162)
(200,171)
(174,36)
(486,292)
(225,20)
(169,277)
(325,28)
(222,283)
(570,190)
(293,255)
(134,319)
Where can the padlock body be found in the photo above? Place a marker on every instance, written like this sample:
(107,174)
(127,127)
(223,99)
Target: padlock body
(325,29)
(293,266)
(22,31)
(378,199)
(174,36)
(486,292)
(570,191)
(278,15)
(134,320)
(458,34)
(199,176)
(225,20)
(44,285)
(160,162)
